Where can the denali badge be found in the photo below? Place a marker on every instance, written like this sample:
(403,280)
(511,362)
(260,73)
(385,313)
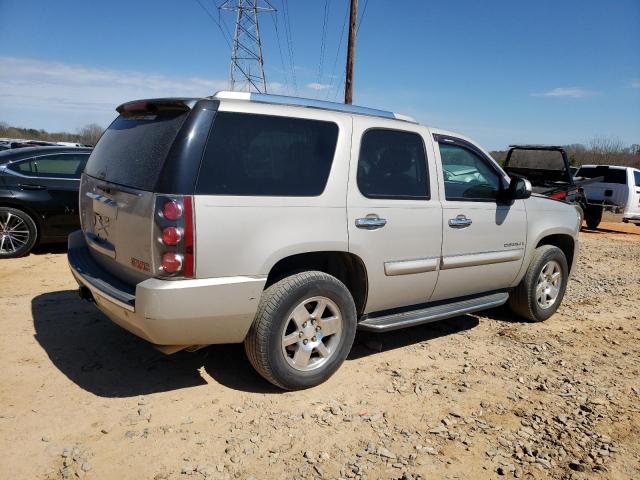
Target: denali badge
(514,244)
(140,265)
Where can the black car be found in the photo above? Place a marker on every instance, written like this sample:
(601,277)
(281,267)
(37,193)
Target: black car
(38,196)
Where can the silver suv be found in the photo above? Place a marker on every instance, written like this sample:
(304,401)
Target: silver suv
(287,224)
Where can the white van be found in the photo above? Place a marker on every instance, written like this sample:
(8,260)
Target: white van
(618,191)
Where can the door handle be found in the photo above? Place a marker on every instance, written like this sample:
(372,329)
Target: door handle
(370,223)
(31,186)
(460,221)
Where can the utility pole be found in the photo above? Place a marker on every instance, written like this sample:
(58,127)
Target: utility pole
(246,71)
(351,51)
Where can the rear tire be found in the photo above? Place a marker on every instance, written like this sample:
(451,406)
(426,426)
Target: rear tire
(303,330)
(540,292)
(18,233)
(593,216)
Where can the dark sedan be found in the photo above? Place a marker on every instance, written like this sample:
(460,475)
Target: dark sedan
(38,196)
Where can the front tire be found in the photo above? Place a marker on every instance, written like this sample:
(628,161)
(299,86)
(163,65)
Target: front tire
(541,290)
(18,233)
(303,330)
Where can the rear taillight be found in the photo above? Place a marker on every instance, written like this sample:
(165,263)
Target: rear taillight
(188,238)
(174,227)
(171,262)
(558,195)
(171,236)
(172,210)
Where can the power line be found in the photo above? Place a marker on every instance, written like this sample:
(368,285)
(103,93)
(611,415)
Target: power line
(335,60)
(322,39)
(288,36)
(364,10)
(214,21)
(274,17)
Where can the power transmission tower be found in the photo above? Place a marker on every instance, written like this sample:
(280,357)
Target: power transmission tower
(247,66)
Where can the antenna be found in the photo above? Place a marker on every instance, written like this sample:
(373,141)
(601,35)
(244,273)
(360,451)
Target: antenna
(247,66)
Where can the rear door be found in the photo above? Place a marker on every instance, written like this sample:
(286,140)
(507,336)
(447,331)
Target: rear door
(483,240)
(394,216)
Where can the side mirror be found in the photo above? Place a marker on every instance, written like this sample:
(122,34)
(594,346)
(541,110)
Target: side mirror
(519,189)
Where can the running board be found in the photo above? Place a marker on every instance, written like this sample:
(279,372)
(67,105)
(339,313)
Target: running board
(385,323)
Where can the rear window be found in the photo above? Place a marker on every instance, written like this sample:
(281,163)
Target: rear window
(537,159)
(265,155)
(611,175)
(132,150)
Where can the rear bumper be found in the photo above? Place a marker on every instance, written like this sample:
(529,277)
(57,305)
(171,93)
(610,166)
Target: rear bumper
(170,312)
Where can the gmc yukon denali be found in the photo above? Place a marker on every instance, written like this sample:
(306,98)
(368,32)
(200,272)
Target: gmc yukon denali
(287,224)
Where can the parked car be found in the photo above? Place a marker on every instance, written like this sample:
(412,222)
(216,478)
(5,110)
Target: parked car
(547,168)
(616,189)
(287,224)
(38,196)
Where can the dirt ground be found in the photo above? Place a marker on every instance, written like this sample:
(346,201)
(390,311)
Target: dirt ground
(478,396)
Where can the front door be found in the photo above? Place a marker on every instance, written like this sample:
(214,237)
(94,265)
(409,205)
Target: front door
(394,225)
(483,241)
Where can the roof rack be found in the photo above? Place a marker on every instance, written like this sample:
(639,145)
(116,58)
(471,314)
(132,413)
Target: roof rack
(311,103)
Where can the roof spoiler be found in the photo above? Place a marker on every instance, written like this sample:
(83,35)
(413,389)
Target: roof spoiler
(156,106)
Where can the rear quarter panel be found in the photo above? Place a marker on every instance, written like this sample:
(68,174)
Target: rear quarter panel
(247,235)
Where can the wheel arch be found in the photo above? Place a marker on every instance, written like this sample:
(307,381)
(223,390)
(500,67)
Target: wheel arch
(564,242)
(345,266)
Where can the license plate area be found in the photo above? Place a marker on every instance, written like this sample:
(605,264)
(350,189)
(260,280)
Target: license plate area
(105,215)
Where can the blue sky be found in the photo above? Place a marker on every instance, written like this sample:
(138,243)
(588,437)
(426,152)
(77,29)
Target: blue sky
(560,71)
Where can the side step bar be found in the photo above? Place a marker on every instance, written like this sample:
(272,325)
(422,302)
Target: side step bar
(394,321)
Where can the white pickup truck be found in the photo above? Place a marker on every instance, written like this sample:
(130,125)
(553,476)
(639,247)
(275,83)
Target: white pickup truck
(289,223)
(617,190)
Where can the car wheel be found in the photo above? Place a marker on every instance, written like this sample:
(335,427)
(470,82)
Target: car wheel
(593,217)
(540,292)
(303,330)
(18,233)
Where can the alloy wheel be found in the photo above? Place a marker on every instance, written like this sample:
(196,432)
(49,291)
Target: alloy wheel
(549,284)
(14,233)
(312,333)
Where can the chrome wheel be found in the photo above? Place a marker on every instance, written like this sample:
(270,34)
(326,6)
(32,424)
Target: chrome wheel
(311,334)
(549,284)
(14,233)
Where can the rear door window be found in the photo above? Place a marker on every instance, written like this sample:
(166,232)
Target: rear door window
(636,175)
(132,150)
(266,155)
(393,165)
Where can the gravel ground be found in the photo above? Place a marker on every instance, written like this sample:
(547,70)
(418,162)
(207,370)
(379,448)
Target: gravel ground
(483,396)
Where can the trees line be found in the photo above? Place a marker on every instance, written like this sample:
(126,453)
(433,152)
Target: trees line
(598,151)
(89,134)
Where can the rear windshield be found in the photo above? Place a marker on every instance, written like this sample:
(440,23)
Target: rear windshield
(266,155)
(132,150)
(537,159)
(611,175)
